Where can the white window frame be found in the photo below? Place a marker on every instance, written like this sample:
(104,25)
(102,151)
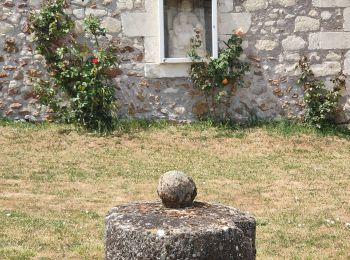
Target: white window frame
(163,59)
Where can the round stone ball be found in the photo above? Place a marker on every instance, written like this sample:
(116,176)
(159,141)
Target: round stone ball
(176,190)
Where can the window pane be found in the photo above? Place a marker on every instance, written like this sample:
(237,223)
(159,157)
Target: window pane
(182,18)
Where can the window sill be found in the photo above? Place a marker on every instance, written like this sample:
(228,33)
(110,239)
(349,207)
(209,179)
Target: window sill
(176,60)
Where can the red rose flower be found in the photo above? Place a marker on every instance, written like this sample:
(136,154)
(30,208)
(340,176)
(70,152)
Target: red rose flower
(94,60)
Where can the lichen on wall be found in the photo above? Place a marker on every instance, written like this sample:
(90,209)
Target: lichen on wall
(277,34)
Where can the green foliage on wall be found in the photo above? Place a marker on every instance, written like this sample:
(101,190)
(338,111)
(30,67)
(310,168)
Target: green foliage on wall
(320,103)
(78,88)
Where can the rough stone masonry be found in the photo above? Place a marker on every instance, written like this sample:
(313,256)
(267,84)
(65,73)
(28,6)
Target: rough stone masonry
(278,32)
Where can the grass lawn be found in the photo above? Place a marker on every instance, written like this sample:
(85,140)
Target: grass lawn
(57,184)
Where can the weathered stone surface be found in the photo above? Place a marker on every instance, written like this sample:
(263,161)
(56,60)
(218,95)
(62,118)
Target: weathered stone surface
(36,3)
(284,3)
(233,21)
(347,64)
(6,28)
(304,24)
(331,3)
(205,231)
(225,6)
(266,45)
(154,70)
(329,40)
(16,105)
(78,2)
(152,49)
(125,5)
(176,189)
(139,24)
(325,15)
(95,12)
(327,68)
(292,43)
(346,15)
(111,24)
(255,5)
(200,108)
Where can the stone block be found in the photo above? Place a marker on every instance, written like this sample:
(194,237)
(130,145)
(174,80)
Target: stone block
(152,49)
(266,45)
(35,3)
(78,2)
(225,6)
(346,16)
(329,40)
(331,3)
(140,24)
(6,28)
(176,70)
(304,24)
(111,24)
(125,5)
(347,64)
(147,230)
(152,6)
(326,69)
(255,5)
(284,3)
(95,12)
(292,43)
(230,22)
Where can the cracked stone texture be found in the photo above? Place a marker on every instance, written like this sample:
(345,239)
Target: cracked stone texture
(148,230)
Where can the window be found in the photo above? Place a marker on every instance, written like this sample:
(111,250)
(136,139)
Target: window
(180,20)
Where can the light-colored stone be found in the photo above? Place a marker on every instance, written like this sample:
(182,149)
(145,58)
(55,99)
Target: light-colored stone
(326,68)
(152,49)
(95,12)
(325,15)
(294,56)
(80,2)
(35,3)
(284,3)
(304,24)
(266,45)
(313,13)
(6,28)
(225,6)
(329,40)
(346,16)
(347,64)
(140,24)
(331,3)
(230,22)
(126,4)
(169,70)
(79,13)
(112,25)
(151,6)
(292,43)
(176,190)
(332,56)
(255,5)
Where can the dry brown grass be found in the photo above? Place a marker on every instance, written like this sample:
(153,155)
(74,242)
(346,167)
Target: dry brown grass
(56,186)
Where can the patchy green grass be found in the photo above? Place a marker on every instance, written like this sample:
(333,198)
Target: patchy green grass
(56,184)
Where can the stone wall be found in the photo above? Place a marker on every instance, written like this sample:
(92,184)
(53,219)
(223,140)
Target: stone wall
(278,32)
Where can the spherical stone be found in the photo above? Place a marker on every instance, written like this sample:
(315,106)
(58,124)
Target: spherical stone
(176,190)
